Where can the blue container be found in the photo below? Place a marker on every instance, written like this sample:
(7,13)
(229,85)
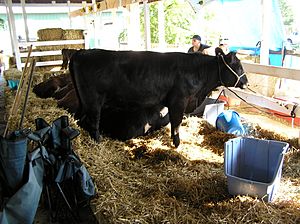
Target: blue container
(229,121)
(13,84)
(253,166)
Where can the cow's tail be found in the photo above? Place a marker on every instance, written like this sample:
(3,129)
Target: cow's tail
(72,69)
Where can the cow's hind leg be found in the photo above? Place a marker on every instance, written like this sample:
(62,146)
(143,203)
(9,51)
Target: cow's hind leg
(176,109)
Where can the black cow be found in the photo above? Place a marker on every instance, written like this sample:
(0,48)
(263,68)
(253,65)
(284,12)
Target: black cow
(67,54)
(127,124)
(128,79)
(49,87)
(115,123)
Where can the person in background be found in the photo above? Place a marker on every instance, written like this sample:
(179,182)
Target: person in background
(223,44)
(197,45)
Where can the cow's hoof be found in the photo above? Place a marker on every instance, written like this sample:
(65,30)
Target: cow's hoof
(176,140)
(96,136)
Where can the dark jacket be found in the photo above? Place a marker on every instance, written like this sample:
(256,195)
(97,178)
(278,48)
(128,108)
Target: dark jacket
(201,48)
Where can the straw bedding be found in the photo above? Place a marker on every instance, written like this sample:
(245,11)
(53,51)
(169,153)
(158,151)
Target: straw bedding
(146,180)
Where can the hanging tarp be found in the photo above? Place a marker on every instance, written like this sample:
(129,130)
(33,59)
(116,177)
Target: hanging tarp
(243,23)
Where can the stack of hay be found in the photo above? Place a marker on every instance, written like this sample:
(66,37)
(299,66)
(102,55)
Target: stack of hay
(14,74)
(52,34)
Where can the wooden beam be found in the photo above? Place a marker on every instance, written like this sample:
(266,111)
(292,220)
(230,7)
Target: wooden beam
(274,71)
(105,5)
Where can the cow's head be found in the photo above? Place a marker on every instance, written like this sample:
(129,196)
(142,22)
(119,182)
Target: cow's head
(233,74)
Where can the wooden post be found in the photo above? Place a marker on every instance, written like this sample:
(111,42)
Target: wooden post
(147,26)
(161,26)
(11,20)
(25,20)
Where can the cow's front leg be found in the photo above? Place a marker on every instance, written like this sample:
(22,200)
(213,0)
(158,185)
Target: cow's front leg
(91,119)
(176,110)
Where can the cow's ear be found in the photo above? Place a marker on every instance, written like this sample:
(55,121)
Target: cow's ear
(232,56)
(219,51)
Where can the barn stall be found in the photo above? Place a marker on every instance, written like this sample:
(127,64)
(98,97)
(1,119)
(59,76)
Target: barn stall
(147,180)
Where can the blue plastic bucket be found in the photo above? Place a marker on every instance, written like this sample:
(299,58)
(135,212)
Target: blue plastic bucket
(229,121)
(13,84)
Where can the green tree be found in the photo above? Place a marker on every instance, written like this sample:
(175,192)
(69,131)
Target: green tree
(286,12)
(178,18)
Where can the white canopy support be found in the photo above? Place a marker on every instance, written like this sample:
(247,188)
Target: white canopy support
(25,20)
(13,32)
(134,40)
(161,25)
(69,13)
(147,26)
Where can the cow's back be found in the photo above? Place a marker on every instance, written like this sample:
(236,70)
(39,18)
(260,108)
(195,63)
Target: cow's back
(130,78)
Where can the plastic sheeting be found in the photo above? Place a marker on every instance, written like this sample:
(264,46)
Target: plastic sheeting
(244,23)
(241,22)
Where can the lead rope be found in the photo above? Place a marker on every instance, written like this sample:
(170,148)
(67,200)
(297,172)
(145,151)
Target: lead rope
(292,115)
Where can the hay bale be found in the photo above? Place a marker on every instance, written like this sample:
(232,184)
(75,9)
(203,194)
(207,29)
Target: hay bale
(145,180)
(74,46)
(50,34)
(12,62)
(50,48)
(12,74)
(15,74)
(50,58)
(72,34)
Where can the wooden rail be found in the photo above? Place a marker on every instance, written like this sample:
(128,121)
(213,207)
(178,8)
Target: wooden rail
(47,53)
(274,71)
(286,107)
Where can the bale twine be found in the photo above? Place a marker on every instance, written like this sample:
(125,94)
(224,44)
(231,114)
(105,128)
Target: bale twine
(50,34)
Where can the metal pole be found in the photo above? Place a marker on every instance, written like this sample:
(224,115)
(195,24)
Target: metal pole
(25,20)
